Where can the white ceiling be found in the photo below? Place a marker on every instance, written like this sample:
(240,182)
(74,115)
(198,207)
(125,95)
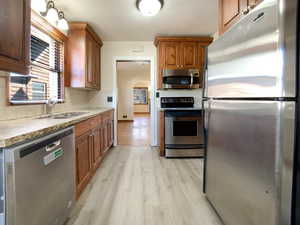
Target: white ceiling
(119,20)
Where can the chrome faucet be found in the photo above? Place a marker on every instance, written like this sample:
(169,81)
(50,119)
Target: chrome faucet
(51,102)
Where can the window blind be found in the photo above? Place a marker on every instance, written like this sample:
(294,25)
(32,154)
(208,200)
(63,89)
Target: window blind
(45,78)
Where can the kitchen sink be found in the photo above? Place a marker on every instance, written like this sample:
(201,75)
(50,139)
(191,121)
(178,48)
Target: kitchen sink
(63,115)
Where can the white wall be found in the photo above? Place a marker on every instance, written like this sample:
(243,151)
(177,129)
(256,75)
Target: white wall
(109,52)
(126,82)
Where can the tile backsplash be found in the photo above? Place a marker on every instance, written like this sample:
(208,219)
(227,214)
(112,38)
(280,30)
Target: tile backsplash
(74,99)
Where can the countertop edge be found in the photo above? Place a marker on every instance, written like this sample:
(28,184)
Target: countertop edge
(8,142)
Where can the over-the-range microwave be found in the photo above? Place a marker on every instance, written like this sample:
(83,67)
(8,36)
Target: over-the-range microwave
(181,79)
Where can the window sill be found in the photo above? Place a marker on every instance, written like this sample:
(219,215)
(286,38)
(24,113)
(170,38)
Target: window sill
(39,102)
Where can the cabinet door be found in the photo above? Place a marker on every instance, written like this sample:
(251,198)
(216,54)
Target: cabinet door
(89,62)
(97,71)
(105,135)
(254,3)
(189,55)
(96,148)
(171,55)
(110,132)
(230,12)
(83,161)
(15,35)
(201,63)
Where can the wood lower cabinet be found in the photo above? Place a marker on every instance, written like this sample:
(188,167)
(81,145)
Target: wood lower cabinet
(83,161)
(83,58)
(15,35)
(180,53)
(161,132)
(230,11)
(96,153)
(94,137)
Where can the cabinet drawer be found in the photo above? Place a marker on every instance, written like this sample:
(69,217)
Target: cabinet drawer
(94,122)
(82,128)
(111,114)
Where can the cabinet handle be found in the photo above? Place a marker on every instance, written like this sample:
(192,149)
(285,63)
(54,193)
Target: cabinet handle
(246,11)
(252,6)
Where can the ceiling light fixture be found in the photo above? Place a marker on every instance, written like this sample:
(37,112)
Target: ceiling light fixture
(62,22)
(51,13)
(149,7)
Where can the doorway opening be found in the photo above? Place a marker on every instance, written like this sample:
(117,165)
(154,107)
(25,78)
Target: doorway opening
(134,102)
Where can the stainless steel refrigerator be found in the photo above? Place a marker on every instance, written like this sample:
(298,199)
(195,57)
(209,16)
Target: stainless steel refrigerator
(251,116)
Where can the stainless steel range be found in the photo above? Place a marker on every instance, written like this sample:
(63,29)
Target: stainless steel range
(184,136)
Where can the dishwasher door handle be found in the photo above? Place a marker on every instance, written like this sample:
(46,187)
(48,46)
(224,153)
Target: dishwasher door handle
(53,145)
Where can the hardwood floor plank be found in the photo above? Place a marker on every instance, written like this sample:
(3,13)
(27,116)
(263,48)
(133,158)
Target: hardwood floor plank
(134,186)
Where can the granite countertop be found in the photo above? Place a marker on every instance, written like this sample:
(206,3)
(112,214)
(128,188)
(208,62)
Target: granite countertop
(20,130)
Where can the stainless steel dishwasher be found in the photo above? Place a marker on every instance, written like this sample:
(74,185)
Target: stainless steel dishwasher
(39,180)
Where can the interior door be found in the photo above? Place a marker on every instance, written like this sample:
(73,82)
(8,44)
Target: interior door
(247,141)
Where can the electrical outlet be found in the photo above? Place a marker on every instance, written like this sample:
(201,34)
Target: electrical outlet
(124,116)
(109,99)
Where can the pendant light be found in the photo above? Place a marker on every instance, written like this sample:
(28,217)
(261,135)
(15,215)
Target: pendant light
(39,5)
(52,13)
(149,7)
(62,22)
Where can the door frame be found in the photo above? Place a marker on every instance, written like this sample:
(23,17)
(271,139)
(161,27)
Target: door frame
(153,114)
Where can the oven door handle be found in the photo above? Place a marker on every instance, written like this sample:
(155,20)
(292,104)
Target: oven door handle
(186,118)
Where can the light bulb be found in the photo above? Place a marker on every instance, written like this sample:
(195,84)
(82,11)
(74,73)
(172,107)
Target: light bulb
(149,7)
(39,5)
(63,24)
(52,15)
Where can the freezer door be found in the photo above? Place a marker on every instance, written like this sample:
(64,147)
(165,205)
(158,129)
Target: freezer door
(257,57)
(250,160)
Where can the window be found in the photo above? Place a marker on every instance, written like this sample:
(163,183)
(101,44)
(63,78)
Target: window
(45,78)
(140,96)
(38,91)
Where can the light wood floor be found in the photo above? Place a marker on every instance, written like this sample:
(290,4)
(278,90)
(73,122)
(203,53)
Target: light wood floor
(134,186)
(136,133)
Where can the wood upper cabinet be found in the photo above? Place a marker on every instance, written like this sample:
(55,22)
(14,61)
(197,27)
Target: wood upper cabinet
(15,35)
(84,50)
(190,56)
(171,54)
(230,11)
(90,83)
(180,53)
